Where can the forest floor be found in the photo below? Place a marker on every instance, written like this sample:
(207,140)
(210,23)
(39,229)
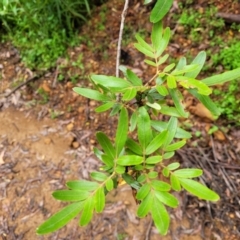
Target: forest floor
(47,134)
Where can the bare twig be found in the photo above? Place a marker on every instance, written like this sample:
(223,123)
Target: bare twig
(148,232)
(124,13)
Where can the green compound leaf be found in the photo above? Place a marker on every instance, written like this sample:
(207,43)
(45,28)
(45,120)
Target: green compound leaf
(199,60)
(82,185)
(145,206)
(154,159)
(99,198)
(188,173)
(160,185)
(151,63)
(128,160)
(129,94)
(87,212)
(181,64)
(163,59)
(198,189)
(175,146)
(92,94)
(104,107)
(143,43)
(144,127)
(176,186)
(172,128)
(153,174)
(170,111)
(106,159)
(162,90)
(156,143)
(160,9)
(144,50)
(164,42)
(133,146)
(222,78)
(167,198)
(143,191)
(99,176)
(133,78)
(171,82)
(70,195)
(106,144)
(131,181)
(114,83)
(173,166)
(185,69)
(160,216)
(122,131)
(168,155)
(177,99)
(61,218)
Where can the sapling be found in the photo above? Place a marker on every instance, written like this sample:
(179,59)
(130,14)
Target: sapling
(143,144)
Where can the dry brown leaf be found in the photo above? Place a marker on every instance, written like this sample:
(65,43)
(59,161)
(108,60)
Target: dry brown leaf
(201,111)
(219,135)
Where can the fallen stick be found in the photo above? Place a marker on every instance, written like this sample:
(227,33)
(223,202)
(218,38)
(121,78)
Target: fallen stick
(229,18)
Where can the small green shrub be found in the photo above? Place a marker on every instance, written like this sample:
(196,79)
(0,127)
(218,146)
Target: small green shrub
(143,144)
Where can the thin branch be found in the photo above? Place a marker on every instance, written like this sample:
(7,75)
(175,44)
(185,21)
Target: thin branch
(124,13)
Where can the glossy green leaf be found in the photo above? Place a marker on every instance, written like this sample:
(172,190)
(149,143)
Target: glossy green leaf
(160,185)
(144,127)
(143,192)
(222,78)
(165,172)
(111,82)
(122,131)
(98,176)
(133,122)
(145,206)
(61,218)
(167,198)
(152,174)
(109,184)
(163,59)
(133,146)
(104,107)
(156,35)
(162,90)
(193,83)
(70,195)
(154,159)
(172,128)
(133,78)
(87,212)
(151,63)
(175,146)
(99,200)
(188,173)
(108,160)
(173,166)
(131,181)
(160,9)
(160,126)
(129,94)
(82,185)
(168,155)
(199,60)
(156,143)
(128,160)
(170,111)
(177,99)
(143,50)
(160,216)
(206,101)
(106,144)
(92,94)
(154,105)
(176,186)
(198,189)
(143,43)
(164,42)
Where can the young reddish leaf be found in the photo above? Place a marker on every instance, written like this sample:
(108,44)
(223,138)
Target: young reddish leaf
(61,218)
(198,189)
